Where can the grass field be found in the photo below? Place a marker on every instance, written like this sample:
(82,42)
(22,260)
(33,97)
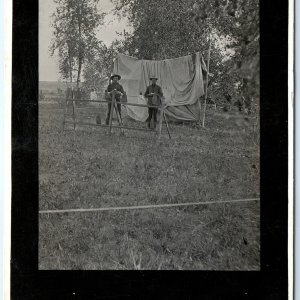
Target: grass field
(91,169)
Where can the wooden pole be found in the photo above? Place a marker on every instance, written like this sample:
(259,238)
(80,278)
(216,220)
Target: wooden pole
(121,126)
(74,118)
(123,103)
(167,125)
(160,122)
(119,119)
(113,126)
(111,111)
(200,109)
(206,87)
(65,112)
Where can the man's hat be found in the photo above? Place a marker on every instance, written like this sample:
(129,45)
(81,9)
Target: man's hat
(153,77)
(115,75)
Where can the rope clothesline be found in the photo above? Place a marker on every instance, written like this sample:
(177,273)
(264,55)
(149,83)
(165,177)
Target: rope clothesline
(143,206)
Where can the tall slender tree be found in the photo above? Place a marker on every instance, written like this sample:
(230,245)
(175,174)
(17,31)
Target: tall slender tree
(74,25)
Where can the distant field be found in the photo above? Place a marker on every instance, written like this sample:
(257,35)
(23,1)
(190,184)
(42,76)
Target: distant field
(52,85)
(55,92)
(92,169)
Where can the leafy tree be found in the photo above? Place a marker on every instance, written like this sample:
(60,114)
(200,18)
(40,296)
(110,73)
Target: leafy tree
(74,25)
(171,28)
(160,28)
(239,21)
(100,63)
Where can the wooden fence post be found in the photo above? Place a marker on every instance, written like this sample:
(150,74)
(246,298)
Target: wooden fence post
(206,87)
(65,112)
(74,112)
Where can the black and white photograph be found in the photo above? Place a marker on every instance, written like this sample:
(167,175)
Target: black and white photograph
(149,135)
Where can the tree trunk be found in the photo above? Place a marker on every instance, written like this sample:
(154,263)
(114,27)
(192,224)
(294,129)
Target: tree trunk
(70,63)
(70,71)
(79,71)
(80,54)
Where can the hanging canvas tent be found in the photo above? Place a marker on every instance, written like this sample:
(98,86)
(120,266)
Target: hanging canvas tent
(181,80)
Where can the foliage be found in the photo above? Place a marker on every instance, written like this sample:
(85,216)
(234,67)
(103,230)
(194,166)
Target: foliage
(171,28)
(74,25)
(156,34)
(99,63)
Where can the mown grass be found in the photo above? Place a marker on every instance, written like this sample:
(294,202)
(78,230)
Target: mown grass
(92,169)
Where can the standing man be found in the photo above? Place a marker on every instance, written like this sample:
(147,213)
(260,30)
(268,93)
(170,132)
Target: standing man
(153,94)
(119,92)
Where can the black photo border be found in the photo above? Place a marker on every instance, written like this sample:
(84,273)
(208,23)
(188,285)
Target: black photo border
(269,283)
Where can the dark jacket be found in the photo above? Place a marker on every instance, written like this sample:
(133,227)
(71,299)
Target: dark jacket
(154,99)
(116,86)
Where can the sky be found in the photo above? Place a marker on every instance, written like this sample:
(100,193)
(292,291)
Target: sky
(48,69)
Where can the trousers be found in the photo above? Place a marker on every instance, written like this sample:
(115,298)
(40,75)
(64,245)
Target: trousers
(152,113)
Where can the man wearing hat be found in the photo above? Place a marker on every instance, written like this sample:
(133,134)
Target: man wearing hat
(153,94)
(119,92)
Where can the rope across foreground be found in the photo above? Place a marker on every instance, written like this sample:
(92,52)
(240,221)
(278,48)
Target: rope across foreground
(59,211)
